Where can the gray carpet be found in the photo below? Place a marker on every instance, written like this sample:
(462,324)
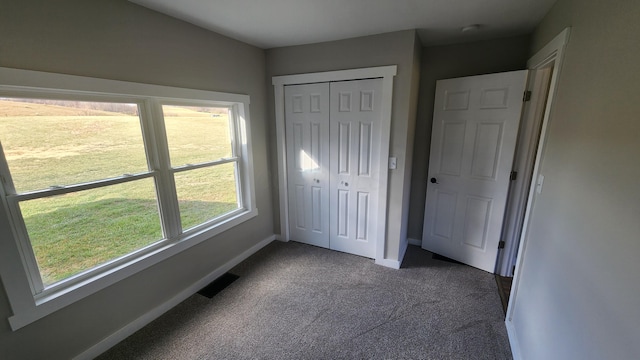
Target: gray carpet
(295,301)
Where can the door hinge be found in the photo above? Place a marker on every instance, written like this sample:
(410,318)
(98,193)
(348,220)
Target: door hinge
(513,270)
(513,175)
(527,96)
(501,245)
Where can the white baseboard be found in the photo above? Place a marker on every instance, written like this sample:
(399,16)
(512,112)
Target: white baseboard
(145,319)
(279,237)
(394,264)
(513,341)
(403,251)
(415,242)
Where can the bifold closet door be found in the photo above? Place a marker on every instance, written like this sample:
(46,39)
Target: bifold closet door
(333,164)
(307,141)
(354,165)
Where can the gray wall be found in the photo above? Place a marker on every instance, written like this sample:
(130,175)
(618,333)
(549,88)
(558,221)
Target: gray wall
(395,48)
(122,41)
(444,62)
(579,287)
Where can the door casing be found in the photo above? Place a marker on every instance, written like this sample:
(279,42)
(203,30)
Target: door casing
(550,56)
(386,73)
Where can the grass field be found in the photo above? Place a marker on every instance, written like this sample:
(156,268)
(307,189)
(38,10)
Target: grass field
(51,145)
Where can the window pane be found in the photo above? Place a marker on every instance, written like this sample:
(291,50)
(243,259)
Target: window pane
(206,193)
(197,134)
(75,232)
(55,142)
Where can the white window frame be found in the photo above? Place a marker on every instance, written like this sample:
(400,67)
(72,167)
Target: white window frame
(28,298)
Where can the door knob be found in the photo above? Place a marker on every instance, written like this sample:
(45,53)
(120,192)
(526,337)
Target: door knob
(433,180)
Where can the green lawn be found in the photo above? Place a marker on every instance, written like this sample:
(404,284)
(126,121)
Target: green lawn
(47,145)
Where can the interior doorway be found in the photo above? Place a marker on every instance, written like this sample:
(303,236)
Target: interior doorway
(545,68)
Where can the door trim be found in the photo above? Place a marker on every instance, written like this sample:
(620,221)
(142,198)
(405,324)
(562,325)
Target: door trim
(551,55)
(549,59)
(387,74)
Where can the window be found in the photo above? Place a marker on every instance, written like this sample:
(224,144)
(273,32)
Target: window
(66,164)
(99,185)
(203,161)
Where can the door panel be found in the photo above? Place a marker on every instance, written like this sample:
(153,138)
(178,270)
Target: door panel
(477,214)
(486,151)
(307,134)
(362,217)
(445,207)
(475,127)
(453,144)
(355,132)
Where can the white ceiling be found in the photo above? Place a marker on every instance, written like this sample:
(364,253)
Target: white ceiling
(276,23)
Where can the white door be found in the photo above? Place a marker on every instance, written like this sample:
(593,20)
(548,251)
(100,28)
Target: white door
(475,127)
(307,139)
(333,136)
(354,165)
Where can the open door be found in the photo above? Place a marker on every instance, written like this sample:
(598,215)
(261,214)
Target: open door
(475,129)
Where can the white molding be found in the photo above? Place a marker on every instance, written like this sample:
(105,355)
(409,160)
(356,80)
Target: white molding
(30,310)
(390,263)
(279,237)
(386,73)
(403,251)
(524,159)
(516,353)
(550,54)
(156,312)
(281,147)
(340,75)
(383,180)
(415,242)
(16,79)
(550,51)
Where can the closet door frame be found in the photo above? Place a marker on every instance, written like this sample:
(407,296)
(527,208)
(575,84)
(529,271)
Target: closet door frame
(386,73)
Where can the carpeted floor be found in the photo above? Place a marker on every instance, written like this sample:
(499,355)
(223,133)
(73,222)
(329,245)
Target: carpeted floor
(295,301)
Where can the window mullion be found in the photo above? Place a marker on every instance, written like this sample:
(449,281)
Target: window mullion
(204,164)
(68,189)
(236,137)
(153,125)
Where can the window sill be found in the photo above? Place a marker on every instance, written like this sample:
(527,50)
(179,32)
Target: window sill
(67,295)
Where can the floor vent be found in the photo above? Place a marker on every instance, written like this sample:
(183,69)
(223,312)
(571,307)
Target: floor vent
(218,285)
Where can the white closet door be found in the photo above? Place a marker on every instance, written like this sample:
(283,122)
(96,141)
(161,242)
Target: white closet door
(354,166)
(307,139)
